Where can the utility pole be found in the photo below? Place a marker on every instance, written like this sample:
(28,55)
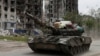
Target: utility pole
(57,8)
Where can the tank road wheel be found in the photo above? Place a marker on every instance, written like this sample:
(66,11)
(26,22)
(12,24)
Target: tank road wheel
(65,50)
(83,48)
(74,50)
(87,47)
(79,49)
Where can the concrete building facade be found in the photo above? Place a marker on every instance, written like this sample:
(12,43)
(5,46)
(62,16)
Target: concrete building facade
(7,14)
(59,8)
(33,7)
(53,9)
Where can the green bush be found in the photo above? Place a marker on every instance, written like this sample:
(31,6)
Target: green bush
(71,16)
(89,23)
(14,38)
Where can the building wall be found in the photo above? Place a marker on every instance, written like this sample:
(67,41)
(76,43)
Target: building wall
(34,7)
(58,8)
(54,8)
(8,14)
(71,5)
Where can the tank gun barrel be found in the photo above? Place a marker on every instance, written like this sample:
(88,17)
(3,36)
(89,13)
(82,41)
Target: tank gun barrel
(37,20)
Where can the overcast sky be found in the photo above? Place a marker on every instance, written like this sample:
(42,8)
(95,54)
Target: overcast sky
(86,5)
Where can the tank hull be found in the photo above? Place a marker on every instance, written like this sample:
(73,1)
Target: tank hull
(69,46)
(43,46)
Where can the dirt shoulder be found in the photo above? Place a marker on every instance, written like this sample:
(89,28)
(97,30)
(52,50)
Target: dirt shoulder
(6,46)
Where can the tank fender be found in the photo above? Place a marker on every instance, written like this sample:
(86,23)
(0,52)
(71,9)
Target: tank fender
(71,41)
(76,41)
(63,41)
(86,40)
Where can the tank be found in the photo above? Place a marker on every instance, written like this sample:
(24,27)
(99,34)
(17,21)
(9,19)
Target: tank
(69,43)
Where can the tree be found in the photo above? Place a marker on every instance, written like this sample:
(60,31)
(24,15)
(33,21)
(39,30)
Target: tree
(92,12)
(89,23)
(72,16)
(97,16)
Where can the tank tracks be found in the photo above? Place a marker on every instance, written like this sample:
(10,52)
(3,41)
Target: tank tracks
(67,50)
(73,45)
(71,51)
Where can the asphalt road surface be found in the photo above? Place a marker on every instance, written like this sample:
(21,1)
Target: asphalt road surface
(9,48)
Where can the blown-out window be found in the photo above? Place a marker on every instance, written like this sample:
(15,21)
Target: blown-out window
(12,9)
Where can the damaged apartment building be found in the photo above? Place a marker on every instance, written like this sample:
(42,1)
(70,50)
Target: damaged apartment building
(33,7)
(11,11)
(7,14)
(56,9)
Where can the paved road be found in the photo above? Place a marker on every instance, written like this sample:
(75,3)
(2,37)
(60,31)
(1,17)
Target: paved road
(94,50)
(16,49)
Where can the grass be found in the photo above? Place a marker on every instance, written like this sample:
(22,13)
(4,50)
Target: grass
(14,38)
